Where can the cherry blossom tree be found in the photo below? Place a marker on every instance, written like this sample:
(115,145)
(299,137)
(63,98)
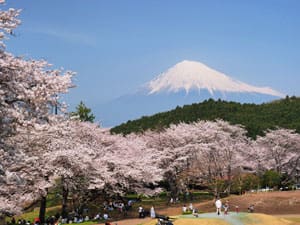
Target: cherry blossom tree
(74,151)
(28,89)
(37,149)
(209,149)
(279,150)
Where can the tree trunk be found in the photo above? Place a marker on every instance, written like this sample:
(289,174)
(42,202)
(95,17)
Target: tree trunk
(64,208)
(229,179)
(2,220)
(43,209)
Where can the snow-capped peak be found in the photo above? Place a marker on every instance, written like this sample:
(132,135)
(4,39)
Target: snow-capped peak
(189,75)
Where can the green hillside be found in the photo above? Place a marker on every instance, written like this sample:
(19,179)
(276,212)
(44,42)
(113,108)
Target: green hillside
(256,118)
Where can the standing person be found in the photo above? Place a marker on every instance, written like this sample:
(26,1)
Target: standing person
(171,201)
(226,208)
(141,211)
(191,207)
(237,209)
(152,212)
(218,204)
(13,221)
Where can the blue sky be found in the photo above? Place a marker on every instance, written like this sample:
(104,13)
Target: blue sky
(117,45)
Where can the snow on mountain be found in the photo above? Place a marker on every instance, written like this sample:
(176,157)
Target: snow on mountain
(187,82)
(191,75)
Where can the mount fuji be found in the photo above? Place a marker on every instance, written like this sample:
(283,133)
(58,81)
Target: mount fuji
(185,83)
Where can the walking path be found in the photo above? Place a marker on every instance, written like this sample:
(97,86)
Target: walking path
(231,218)
(212,219)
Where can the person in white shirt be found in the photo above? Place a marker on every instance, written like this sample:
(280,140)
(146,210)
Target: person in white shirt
(184,209)
(191,207)
(218,204)
(141,212)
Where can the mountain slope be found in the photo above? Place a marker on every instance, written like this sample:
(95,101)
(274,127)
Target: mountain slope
(185,83)
(191,75)
(256,118)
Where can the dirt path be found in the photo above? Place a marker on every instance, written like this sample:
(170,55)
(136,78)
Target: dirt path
(231,218)
(130,221)
(214,219)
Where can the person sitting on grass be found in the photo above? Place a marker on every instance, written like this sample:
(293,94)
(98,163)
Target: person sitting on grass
(97,217)
(184,209)
(195,212)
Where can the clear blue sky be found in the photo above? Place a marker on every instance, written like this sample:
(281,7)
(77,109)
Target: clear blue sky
(117,45)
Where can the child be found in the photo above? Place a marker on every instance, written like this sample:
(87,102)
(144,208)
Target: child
(237,209)
(226,207)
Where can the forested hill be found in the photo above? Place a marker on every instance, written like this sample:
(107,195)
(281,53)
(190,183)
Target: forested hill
(256,118)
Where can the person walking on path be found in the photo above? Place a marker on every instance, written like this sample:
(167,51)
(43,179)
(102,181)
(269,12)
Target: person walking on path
(218,204)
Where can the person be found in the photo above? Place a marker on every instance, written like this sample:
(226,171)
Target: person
(129,203)
(152,212)
(97,217)
(121,207)
(184,209)
(13,220)
(163,220)
(141,212)
(237,209)
(191,207)
(251,208)
(36,221)
(218,204)
(195,212)
(105,216)
(226,207)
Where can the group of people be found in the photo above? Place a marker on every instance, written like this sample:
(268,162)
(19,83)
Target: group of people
(189,209)
(120,206)
(51,220)
(219,206)
(142,212)
(174,201)
(19,222)
(56,220)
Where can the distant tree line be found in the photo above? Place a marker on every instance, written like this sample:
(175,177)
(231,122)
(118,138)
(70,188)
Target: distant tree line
(256,118)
